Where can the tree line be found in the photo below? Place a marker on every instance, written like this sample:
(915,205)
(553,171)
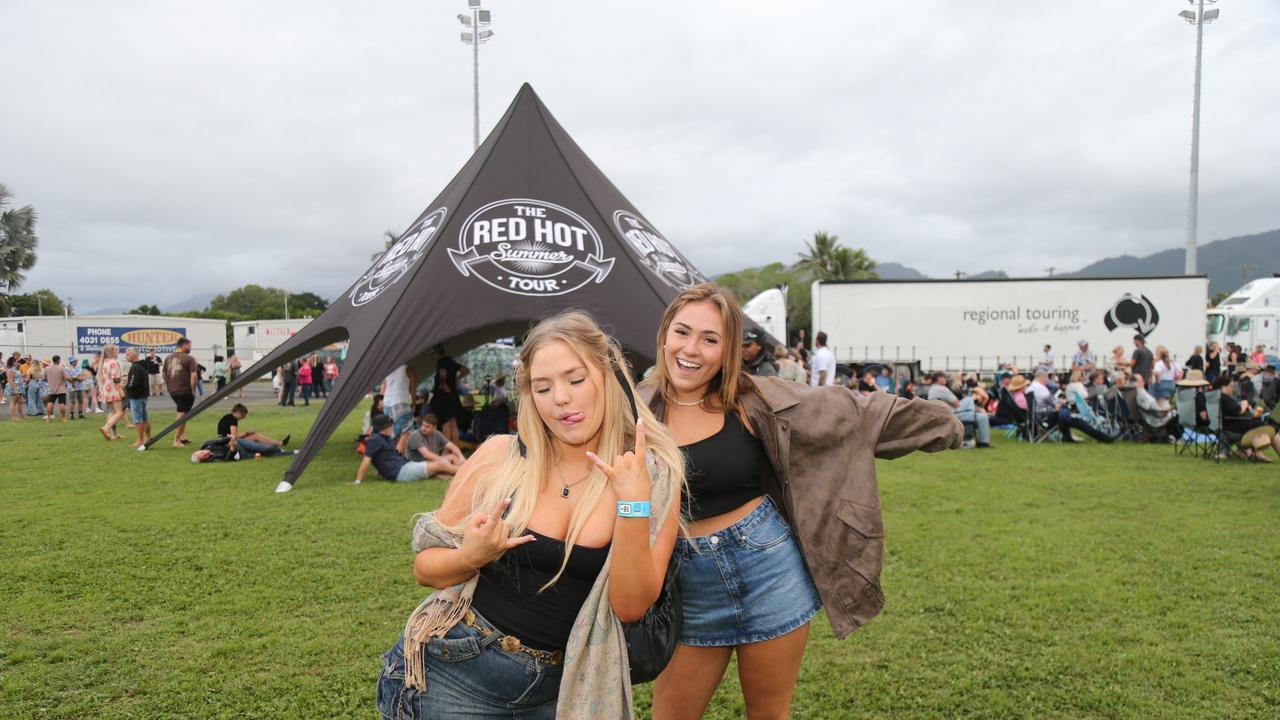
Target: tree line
(824,258)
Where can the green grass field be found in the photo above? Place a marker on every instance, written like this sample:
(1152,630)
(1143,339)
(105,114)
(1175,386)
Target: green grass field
(1045,582)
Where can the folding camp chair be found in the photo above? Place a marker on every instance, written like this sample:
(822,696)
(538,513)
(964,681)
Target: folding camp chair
(1135,426)
(1037,430)
(1007,409)
(1218,445)
(1185,401)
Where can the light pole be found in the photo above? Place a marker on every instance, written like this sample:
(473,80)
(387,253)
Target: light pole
(1198,17)
(478,21)
(66,325)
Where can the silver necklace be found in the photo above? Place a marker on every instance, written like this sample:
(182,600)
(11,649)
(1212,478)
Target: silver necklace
(695,403)
(564,486)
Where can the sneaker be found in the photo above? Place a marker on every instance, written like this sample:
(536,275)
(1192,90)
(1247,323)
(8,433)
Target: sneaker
(98,411)
(984,446)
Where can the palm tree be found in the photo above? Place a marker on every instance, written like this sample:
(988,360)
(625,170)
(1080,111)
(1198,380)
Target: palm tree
(391,240)
(850,264)
(17,241)
(827,260)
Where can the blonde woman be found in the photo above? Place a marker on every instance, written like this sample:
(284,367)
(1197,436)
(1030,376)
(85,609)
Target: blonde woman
(1162,377)
(1118,361)
(784,511)
(111,390)
(544,545)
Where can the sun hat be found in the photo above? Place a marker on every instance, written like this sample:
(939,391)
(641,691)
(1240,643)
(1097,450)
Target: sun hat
(1193,378)
(1019,382)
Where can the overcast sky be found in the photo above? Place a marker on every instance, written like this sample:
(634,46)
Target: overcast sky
(175,148)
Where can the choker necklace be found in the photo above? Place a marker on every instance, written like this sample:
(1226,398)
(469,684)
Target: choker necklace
(564,486)
(695,403)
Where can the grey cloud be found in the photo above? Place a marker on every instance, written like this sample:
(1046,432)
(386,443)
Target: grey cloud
(284,138)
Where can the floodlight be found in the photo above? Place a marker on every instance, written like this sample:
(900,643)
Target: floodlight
(1190,16)
(466,37)
(473,3)
(1210,15)
(464,19)
(485,35)
(484,16)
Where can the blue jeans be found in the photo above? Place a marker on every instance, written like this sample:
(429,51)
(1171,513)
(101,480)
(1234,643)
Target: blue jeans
(138,409)
(981,425)
(306,393)
(287,397)
(253,446)
(469,676)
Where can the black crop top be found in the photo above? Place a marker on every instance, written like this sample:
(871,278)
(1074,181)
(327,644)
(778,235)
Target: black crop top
(723,470)
(507,592)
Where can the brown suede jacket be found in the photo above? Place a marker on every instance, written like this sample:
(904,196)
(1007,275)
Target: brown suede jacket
(821,445)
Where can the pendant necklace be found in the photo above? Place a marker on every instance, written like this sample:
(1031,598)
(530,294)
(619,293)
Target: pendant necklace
(695,403)
(564,491)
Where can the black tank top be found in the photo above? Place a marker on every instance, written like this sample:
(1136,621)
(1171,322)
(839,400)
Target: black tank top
(723,470)
(507,592)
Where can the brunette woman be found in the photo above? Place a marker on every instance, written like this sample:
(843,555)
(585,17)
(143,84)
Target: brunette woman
(542,548)
(783,501)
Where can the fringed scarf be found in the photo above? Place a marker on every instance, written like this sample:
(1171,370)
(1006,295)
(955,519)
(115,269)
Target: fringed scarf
(596,682)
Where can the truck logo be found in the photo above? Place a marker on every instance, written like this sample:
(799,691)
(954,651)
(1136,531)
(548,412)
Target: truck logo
(1137,312)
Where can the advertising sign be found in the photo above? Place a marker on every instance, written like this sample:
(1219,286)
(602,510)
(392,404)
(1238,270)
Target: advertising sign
(92,338)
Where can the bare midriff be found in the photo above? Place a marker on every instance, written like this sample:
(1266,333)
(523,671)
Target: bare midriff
(716,523)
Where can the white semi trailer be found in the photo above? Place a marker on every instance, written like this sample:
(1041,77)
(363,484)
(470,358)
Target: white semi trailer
(979,324)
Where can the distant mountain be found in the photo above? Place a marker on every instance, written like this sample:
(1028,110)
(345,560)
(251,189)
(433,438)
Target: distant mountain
(197,302)
(1229,263)
(106,311)
(895,271)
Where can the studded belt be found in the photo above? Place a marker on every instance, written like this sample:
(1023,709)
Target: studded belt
(511,644)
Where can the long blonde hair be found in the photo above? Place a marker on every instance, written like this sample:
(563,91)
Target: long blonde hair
(521,477)
(730,382)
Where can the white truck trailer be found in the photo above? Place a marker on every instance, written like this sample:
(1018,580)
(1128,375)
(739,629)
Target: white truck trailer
(975,325)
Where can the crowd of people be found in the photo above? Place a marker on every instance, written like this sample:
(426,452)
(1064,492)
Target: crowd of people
(1126,395)
(310,377)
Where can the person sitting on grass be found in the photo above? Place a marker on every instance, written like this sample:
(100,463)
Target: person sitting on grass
(247,441)
(428,443)
(385,452)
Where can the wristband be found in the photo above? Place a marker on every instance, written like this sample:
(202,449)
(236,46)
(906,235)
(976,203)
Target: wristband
(634,509)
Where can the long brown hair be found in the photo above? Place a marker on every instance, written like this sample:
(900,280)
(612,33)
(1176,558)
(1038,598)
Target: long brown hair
(731,381)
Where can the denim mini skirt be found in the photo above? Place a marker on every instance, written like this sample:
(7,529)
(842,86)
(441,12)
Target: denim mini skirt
(744,584)
(469,676)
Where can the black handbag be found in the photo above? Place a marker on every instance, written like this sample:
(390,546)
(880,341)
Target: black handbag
(651,640)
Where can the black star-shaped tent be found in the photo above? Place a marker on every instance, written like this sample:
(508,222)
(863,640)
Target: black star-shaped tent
(529,226)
